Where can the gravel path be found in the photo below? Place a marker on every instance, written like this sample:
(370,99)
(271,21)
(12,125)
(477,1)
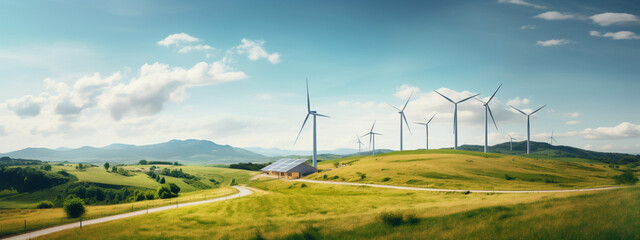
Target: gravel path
(453,190)
(243,192)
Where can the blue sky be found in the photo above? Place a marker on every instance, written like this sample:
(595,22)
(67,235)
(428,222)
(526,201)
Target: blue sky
(139,72)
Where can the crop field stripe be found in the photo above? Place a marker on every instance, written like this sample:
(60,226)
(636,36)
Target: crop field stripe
(454,190)
(243,192)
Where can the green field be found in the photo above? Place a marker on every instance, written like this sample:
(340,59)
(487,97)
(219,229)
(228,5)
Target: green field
(466,170)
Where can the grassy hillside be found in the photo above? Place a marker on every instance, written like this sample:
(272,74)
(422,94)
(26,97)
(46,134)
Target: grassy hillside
(288,210)
(465,170)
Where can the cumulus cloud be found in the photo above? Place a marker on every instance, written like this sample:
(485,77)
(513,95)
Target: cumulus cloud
(609,18)
(623,130)
(517,102)
(256,51)
(530,27)
(555,15)
(177,39)
(553,42)
(621,35)
(522,3)
(27,106)
(199,47)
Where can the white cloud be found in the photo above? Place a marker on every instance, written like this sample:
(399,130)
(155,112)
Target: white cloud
(555,15)
(572,122)
(256,51)
(525,27)
(608,19)
(517,102)
(177,39)
(573,115)
(27,106)
(621,35)
(265,96)
(199,47)
(553,42)
(522,3)
(623,130)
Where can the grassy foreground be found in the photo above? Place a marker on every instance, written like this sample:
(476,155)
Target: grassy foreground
(288,210)
(466,170)
(12,220)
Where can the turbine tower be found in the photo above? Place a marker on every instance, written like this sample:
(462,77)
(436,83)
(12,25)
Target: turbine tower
(552,139)
(315,114)
(455,116)
(402,116)
(426,124)
(372,138)
(528,125)
(510,142)
(359,144)
(487,109)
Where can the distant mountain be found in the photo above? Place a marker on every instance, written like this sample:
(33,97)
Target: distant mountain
(184,151)
(545,150)
(275,152)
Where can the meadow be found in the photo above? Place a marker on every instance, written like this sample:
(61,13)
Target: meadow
(466,170)
(292,210)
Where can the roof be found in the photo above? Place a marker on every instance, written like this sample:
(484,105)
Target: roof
(284,165)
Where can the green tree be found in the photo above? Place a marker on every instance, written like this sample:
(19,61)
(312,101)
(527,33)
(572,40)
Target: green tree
(162,181)
(114,169)
(46,167)
(174,188)
(106,166)
(143,162)
(164,191)
(45,204)
(74,207)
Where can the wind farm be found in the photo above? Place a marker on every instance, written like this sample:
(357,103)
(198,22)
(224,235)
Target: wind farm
(183,120)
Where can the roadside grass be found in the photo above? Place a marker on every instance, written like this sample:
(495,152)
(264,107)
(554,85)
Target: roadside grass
(466,170)
(12,220)
(288,211)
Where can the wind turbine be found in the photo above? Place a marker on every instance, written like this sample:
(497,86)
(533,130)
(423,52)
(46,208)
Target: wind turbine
(511,142)
(528,125)
(315,114)
(455,116)
(402,116)
(426,124)
(372,138)
(359,144)
(488,109)
(552,139)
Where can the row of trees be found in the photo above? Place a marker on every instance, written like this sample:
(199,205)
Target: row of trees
(249,166)
(29,179)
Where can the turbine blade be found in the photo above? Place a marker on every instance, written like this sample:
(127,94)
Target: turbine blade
(444,96)
(468,98)
(537,110)
(519,110)
(494,93)
(365,134)
(420,123)
(491,114)
(431,118)
(394,107)
(303,123)
(320,115)
(308,101)
(405,104)
(405,121)
(374,124)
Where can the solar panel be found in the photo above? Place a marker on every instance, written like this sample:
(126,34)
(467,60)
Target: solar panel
(283,165)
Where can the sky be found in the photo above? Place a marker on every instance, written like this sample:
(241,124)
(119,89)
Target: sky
(77,73)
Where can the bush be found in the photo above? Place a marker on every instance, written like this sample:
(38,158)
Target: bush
(386,179)
(140,197)
(45,204)
(506,176)
(627,177)
(391,218)
(303,185)
(149,195)
(411,218)
(174,188)
(74,207)
(166,191)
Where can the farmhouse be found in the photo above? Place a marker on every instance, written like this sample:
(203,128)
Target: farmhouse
(289,168)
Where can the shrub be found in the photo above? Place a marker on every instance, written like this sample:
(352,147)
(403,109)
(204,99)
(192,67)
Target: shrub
(335,177)
(45,204)
(140,197)
(627,177)
(174,188)
(303,185)
(386,179)
(324,176)
(74,207)
(164,191)
(391,218)
(411,218)
(233,182)
(506,176)
(149,195)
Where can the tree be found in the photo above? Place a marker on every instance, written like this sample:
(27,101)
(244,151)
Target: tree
(45,204)
(162,181)
(106,166)
(114,169)
(174,188)
(143,162)
(74,207)
(164,191)
(46,167)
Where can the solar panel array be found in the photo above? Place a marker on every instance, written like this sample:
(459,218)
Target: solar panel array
(283,165)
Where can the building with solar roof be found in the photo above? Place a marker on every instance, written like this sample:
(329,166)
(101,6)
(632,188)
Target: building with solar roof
(289,168)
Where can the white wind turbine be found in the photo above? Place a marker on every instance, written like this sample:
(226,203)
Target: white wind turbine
(426,125)
(455,116)
(552,139)
(403,117)
(487,109)
(315,114)
(528,125)
(372,138)
(359,144)
(510,142)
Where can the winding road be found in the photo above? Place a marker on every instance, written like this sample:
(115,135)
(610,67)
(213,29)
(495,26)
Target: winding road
(453,190)
(243,192)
